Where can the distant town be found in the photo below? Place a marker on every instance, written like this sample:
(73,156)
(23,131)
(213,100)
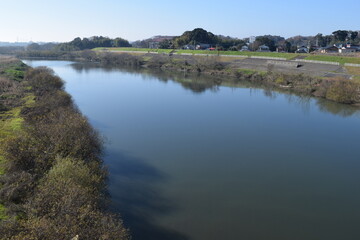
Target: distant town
(340,41)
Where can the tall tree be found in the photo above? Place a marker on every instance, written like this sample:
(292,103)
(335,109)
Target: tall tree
(264,40)
(196,36)
(340,35)
(119,42)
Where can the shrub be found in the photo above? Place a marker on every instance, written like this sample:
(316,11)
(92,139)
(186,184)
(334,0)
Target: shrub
(68,203)
(208,64)
(16,187)
(54,181)
(115,59)
(343,91)
(42,80)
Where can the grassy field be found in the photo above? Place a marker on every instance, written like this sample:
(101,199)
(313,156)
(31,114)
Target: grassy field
(230,53)
(287,56)
(152,50)
(237,53)
(338,59)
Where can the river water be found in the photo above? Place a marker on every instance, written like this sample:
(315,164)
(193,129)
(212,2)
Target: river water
(191,159)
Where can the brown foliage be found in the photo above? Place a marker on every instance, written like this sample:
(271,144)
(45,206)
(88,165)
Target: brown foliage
(54,172)
(123,59)
(343,91)
(42,80)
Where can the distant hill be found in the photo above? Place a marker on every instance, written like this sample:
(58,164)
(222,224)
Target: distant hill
(146,43)
(14,44)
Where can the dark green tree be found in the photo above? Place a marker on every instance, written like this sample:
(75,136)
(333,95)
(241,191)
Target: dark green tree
(196,36)
(287,46)
(165,44)
(120,42)
(263,40)
(340,35)
(354,35)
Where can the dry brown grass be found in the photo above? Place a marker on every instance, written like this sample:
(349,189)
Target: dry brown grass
(353,70)
(230,59)
(7,59)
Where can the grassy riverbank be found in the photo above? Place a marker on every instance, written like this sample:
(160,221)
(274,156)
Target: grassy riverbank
(288,56)
(53,182)
(337,89)
(333,83)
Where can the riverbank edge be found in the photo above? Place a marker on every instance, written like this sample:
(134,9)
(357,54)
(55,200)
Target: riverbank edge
(337,89)
(31,197)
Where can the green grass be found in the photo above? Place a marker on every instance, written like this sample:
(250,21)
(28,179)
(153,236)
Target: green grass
(29,100)
(240,54)
(2,213)
(287,56)
(11,123)
(13,70)
(247,71)
(338,59)
(129,49)
(17,75)
(230,53)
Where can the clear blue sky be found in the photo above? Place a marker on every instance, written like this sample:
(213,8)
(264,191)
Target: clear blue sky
(63,20)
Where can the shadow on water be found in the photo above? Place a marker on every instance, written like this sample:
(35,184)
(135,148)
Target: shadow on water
(136,195)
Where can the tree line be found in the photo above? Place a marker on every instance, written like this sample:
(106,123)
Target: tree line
(80,44)
(196,37)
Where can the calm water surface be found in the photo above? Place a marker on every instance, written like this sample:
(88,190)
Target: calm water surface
(190,160)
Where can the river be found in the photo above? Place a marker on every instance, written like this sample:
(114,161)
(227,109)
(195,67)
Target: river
(191,159)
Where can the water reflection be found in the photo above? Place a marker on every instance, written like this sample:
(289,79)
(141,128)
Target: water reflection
(336,108)
(198,83)
(137,196)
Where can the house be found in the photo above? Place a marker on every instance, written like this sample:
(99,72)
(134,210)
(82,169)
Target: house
(302,49)
(189,47)
(202,46)
(347,50)
(339,45)
(244,48)
(332,49)
(263,48)
(353,46)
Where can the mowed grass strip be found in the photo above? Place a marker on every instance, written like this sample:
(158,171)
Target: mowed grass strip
(238,53)
(129,49)
(206,52)
(288,56)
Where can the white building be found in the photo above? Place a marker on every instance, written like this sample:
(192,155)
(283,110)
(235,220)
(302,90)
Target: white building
(347,50)
(252,39)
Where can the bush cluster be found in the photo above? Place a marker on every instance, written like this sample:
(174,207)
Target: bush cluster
(343,91)
(54,186)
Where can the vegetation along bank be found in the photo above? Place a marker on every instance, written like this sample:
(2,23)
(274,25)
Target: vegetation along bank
(53,182)
(337,83)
